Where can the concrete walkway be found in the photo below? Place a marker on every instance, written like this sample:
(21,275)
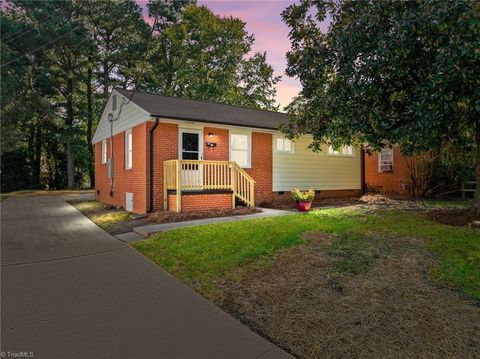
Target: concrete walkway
(154,228)
(70,290)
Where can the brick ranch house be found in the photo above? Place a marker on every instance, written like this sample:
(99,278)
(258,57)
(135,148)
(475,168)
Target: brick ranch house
(157,152)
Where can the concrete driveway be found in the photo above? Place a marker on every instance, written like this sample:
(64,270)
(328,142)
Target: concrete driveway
(70,290)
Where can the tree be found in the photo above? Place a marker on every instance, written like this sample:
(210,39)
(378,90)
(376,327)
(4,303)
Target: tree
(387,73)
(66,42)
(200,55)
(117,27)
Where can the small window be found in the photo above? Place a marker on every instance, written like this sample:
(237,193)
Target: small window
(240,149)
(346,151)
(114,102)
(128,149)
(385,160)
(104,151)
(283,145)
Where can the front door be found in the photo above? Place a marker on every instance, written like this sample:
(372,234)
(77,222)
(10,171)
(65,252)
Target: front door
(191,149)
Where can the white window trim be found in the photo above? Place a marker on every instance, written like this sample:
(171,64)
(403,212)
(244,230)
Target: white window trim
(279,137)
(200,141)
(380,161)
(104,152)
(339,154)
(249,146)
(128,166)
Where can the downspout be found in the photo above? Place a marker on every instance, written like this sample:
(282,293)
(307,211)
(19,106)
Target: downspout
(150,175)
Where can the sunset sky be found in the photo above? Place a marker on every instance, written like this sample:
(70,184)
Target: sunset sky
(262,19)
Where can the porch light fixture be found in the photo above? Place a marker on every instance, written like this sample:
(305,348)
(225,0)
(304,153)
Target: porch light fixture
(210,134)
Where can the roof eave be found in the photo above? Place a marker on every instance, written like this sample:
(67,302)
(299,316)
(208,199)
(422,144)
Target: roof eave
(214,122)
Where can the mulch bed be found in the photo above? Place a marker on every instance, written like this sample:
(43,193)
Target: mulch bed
(453,216)
(377,201)
(391,310)
(166,217)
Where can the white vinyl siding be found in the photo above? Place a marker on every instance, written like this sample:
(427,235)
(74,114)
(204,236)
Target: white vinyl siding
(240,149)
(385,160)
(128,149)
(104,151)
(307,169)
(283,144)
(131,115)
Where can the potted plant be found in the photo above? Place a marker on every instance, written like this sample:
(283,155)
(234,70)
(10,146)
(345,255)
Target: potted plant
(303,199)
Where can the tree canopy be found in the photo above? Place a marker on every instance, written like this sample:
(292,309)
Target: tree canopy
(387,73)
(61,59)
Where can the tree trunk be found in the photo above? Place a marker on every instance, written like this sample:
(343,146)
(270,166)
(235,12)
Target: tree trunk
(37,156)
(31,153)
(106,75)
(476,200)
(69,123)
(91,168)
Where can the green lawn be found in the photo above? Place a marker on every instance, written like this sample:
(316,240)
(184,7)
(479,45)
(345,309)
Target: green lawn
(201,255)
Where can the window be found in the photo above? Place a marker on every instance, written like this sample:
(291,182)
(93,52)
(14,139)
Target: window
(104,151)
(345,151)
(128,149)
(283,145)
(385,160)
(114,102)
(240,149)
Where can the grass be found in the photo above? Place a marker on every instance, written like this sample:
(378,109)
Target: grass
(201,255)
(108,220)
(353,253)
(449,203)
(39,192)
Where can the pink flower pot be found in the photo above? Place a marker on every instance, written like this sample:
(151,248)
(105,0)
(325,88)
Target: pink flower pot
(304,206)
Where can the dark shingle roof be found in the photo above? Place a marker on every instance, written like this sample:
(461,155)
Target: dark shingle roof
(193,110)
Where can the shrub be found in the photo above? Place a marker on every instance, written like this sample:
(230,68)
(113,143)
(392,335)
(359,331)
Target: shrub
(298,195)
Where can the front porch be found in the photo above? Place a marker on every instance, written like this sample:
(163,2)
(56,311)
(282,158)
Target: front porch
(201,182)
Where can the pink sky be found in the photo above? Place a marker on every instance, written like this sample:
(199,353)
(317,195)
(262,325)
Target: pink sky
(262,19)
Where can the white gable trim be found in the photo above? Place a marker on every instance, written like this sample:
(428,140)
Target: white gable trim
(127,115)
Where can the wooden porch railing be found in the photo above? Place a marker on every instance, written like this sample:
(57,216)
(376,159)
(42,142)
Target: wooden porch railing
(195,175)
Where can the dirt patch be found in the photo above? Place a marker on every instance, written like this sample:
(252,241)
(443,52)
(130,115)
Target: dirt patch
(388,309)
(453,216)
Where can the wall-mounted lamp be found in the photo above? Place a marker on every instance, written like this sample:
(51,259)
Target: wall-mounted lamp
(211,144)
(210,134)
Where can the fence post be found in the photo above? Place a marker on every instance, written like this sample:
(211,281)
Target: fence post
(178,185)
(233,182)
(165,190)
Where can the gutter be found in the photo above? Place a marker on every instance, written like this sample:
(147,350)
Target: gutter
(150,169)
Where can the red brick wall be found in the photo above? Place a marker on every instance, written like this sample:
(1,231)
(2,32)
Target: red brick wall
(262,166)
(165,148)
(220,137)
(133,180)
(200,202)
(387,182)
(262,160)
